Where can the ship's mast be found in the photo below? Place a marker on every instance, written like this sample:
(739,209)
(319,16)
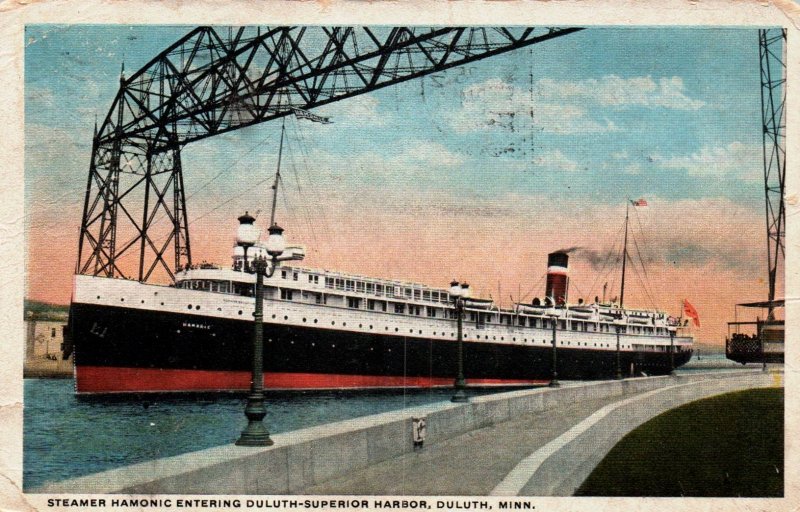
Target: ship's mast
(624,257)
(277,177)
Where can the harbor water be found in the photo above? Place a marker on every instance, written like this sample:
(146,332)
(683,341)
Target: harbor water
(66,436)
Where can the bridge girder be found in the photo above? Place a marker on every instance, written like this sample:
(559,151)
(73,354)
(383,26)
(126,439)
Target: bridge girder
(209,83)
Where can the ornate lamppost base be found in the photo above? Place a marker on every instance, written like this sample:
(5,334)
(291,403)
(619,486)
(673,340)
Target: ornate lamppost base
(460,396)
(255,433)
(252,437)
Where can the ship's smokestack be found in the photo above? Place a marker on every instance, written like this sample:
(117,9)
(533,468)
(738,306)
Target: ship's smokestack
(557,278)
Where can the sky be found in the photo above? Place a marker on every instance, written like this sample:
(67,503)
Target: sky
(475,173)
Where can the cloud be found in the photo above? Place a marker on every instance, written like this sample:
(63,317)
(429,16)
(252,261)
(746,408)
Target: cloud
(565,107)
(39,96)
(431,154)
(356,112)
(555,160)
(496,104)
(736,160)
(615,91)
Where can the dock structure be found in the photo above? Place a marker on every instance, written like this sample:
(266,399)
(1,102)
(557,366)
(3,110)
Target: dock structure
(535,442)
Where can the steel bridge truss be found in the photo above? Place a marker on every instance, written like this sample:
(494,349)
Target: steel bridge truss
(211,82)
(772,48)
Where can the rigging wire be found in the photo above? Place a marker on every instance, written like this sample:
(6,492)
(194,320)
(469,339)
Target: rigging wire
(610,253)
(538,283)
(320,219)
(300,190)
(647,293)
(646,282)
(227,169)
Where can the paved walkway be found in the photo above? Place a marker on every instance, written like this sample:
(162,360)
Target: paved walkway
(545,454)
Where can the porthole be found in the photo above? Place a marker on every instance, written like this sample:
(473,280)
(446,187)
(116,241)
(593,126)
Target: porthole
(163,304)
(396,329)
(304,320)
(387,327)
(98,296)
(360,326)
(513,339)
(240,311)
(285,317)
(315,320)
(411,331)
(273,316)
(197,307)
(218,309)
(142,302)
(122,299)
(434,333)
(370,327)
(189,306)
(420,331)
(333,322)
(344,324)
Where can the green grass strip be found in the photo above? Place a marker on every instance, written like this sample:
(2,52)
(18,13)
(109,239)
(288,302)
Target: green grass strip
(727,445)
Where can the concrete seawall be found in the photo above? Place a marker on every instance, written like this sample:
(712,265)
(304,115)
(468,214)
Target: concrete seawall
(304,458)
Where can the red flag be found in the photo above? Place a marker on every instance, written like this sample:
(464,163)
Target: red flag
(690,312)
(639,202)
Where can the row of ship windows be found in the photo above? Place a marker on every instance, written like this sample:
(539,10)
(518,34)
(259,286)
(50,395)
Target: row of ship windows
(349,285)
(480,318)
(452,334)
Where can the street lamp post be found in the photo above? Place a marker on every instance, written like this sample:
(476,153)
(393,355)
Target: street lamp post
(459,293)
(671,352)
(618,373)
(256,434)
(618,322)
(554,377)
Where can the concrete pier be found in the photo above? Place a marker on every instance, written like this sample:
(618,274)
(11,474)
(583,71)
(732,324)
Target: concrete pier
(527,442)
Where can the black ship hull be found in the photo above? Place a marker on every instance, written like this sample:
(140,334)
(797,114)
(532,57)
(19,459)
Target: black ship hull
(121,349)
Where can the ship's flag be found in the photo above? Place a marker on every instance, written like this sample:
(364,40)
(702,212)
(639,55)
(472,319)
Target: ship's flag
(690,312)
(305,114)
(639,202)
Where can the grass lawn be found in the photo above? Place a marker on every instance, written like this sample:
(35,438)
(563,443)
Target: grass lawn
(727,445)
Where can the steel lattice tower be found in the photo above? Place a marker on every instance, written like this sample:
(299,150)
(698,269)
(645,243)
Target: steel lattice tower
(772,48)
(211,82)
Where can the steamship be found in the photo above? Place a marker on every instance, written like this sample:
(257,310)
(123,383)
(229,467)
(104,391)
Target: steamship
(330,330)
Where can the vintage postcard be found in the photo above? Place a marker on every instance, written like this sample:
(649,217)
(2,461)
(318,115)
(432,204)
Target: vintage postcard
(366,256)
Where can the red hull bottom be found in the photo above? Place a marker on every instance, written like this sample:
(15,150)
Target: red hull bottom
(97,379)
